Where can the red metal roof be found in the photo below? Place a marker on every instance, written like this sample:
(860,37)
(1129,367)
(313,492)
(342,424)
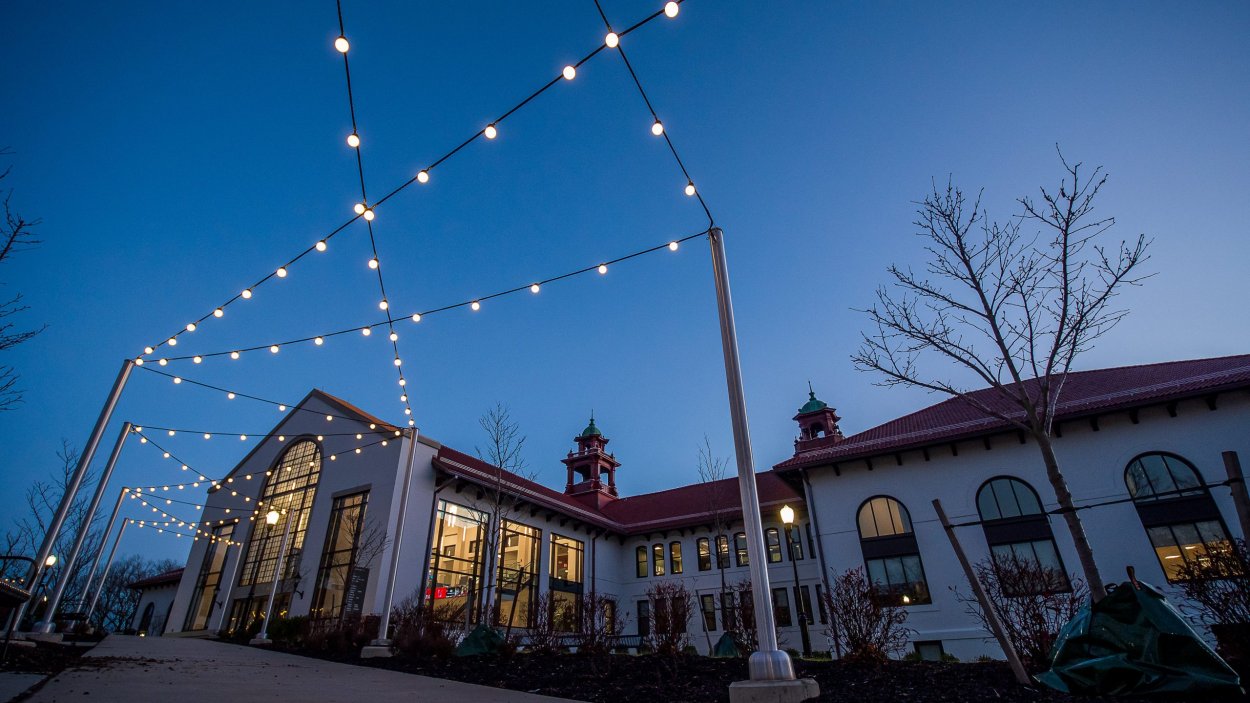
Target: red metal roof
(168,578)
(678,507)
(1084,393)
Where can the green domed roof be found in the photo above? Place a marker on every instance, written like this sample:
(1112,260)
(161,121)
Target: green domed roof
(812,404)
(591,430)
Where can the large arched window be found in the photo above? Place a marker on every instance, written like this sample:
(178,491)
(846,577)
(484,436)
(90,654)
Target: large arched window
(290,487)
(890,551)
(1176,509)
(1021,543)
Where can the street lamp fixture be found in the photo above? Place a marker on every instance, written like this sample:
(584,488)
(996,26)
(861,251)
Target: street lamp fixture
(271,519)
(787,519)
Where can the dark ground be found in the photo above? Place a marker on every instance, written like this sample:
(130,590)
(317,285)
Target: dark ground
(654,679)
(43,658)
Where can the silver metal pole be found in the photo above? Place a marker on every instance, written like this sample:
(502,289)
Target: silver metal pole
(85,528)
(107,565)
(229,585)
(385,622)
(291,517)
(95,563)
(71,491)
(768,663)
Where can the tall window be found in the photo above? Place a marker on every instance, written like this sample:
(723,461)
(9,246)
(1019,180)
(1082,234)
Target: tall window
(337,574)
(657,559)
(722,552)
(640,557)
(1176,508)
(740,549)
(707,603)
(203,598)
(289,488)
(457,562)
(566,582)
(781,607)
(890,551)
(772,539)
(518,574)
(705,554)
(644,618)
(674,557)
(1021,543)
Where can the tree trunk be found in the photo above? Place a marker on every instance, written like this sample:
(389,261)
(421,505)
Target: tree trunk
(1084,552)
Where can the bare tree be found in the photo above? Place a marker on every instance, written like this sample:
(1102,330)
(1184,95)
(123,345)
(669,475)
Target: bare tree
(1008,310)
(16,235)
(712,470)
(503,449)
(116,608)
(871,627)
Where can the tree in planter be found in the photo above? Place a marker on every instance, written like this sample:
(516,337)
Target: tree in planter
(870,628)
(1010,310)
(671,605)
(1032,603)
(1218,585)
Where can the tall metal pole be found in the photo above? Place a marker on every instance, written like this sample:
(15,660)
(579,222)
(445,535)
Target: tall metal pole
(71,491)
(104,576)
(263,637)
(380,647)
(768,663)
(95,563)
(50,614)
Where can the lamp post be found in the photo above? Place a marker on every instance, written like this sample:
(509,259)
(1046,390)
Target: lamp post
(271,519)
(787,519)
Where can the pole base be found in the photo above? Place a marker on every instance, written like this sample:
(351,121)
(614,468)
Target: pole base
(770,665)
(260,641)
(791,691)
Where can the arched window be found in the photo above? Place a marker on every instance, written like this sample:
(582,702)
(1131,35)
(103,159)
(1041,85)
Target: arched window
(640,559)
(1021,542)
(674,557)
(1176,508)
(657,562)
(890,551)
(290,487)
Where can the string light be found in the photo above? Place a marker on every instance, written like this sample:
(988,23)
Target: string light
(603,268)
(163,362)
(366,331)
(490,132)
(423,177)
(353,140)
(689,189)
(273,348)
(342,45)
(319,341)
(671,9)
(216,313)
(394,337)
(369,215)
(416,317)
(612,40)
(197,359)
(672,246)
(373,263)
(234,355)
(173,341)
(281,272)
(569,73)
(534,288)
(190,326)
(359,208)
(148,350)
(383,305)
(321,245)
(475,305)
(657,129)
(246,294)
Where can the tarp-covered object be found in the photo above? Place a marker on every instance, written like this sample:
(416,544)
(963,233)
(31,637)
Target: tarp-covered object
(1134,642)
(483,640)
(726,647)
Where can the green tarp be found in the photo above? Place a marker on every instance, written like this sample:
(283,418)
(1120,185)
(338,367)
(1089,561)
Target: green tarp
(726,647)
(1134,642)
(483,640)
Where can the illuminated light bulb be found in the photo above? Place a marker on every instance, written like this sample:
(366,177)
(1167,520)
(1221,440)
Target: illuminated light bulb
(242,437)
(171,434)
(383,305)
(490,131)
(333,458)
(281,438)
(246,294)
(416,317)
(569,73)
(672,246)
(230,395)
(475,305)
(353,140)
(281,409)
(407,411)
(373,263)
(671,9)
(412,423)
(384,442)
(273,349)
(281,272)
(357,450)
(190,326)
(359,436)
(402,382)
(341,45)
(177,379)
(173,341)
(234,355)
(534,288)
(423,177)
(397,361)
(603,268)
(329,418)
(139,361)
(369,215)
(143,440)
(148,350)
(218,312)
(612,40)
(394,337)
(403,398)
(366,331)
(372,426)
(689,189)
(321,245)
(163,362)
(197,359)
(319,341)
(359,208)
(207,436)
(657,129)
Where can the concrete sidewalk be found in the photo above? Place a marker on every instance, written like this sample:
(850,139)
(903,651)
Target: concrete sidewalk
(178,670)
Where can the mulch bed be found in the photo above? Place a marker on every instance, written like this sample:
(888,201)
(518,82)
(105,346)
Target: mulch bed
(693,679)
(43,658)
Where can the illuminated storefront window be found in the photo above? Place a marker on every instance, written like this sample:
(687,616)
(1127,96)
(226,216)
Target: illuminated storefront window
(567,578)
(457,562)
(517,574)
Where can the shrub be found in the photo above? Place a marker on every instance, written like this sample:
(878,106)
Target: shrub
(427,630)
(1218,585)
(869,628)
(600,621)
(738,613)
(671,605)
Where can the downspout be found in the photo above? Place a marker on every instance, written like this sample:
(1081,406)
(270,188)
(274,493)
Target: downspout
(820,543)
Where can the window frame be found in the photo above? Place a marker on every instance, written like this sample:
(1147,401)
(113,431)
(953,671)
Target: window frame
(742,557)
(703,546)
(772,542)
(674,557)
(642,561)
(657,559)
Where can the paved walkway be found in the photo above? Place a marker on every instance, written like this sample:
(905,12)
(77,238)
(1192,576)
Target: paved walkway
(177,670)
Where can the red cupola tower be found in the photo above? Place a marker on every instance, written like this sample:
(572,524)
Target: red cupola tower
(589,463)
(818,423)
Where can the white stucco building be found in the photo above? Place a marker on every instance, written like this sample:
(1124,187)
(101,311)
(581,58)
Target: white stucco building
(862,501)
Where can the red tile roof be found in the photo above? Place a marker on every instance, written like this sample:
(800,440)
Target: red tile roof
(168,578)
(1085,393)
(671,509)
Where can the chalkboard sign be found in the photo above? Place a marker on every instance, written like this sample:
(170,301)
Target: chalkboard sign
(354,603)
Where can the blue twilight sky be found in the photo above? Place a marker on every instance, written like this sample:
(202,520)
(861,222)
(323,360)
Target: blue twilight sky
(177,152)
